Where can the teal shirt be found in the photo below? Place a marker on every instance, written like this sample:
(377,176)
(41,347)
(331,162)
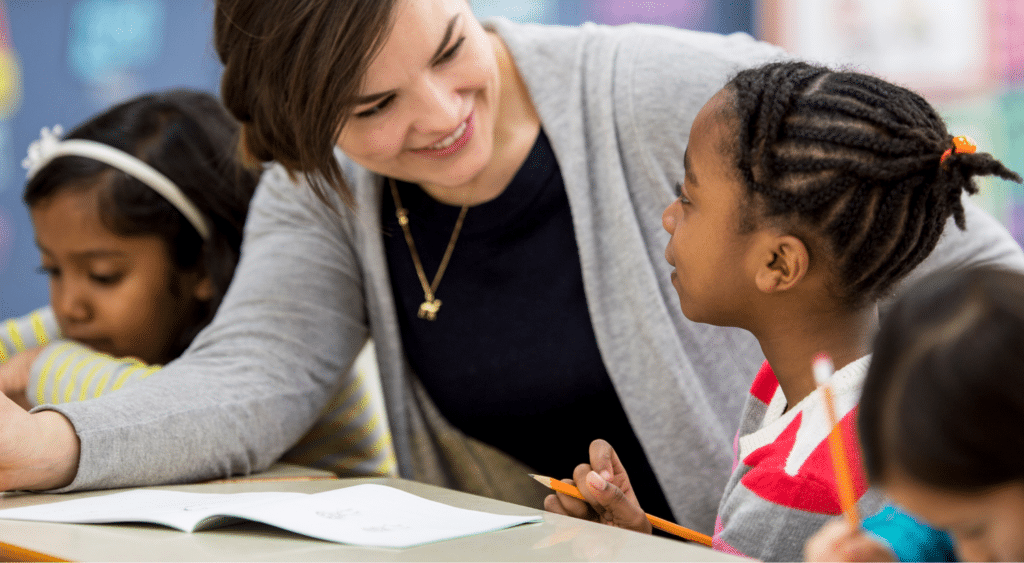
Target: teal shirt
(909,539)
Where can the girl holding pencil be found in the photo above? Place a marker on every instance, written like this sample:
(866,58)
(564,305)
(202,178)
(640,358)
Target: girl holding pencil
(940,426)
(808,194)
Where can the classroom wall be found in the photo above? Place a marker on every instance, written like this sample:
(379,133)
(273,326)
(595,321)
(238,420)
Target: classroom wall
(63,60)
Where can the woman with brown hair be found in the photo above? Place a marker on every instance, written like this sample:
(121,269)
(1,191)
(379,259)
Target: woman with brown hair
(492,222)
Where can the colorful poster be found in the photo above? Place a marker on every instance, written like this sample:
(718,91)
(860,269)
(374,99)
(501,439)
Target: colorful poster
(938,47)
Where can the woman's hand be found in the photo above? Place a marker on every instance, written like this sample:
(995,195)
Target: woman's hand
(836,541)
(14,374)
(605,485)
(37,451)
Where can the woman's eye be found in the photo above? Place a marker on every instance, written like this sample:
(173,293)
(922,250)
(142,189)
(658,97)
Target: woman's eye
(377,108)
(450,53)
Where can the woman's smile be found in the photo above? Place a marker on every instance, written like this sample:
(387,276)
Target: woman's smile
(450,144)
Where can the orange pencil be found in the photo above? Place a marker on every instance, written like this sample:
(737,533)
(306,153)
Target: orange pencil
(659,523)
(823,370)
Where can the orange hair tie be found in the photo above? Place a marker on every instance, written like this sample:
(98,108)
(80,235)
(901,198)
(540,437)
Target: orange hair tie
(961,145)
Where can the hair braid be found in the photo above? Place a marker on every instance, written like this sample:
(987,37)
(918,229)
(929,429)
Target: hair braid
(854,162)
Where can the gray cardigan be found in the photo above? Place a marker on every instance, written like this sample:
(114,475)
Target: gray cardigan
(312,286)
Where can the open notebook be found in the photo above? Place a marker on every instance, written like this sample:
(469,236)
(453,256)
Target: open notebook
(368,515)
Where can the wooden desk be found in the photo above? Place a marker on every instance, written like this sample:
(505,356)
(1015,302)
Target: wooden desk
(557,538)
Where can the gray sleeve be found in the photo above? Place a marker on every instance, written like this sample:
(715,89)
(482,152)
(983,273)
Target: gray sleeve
(665,77)
(254,380)
(985,242)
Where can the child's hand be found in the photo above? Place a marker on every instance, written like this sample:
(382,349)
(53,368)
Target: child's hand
(836,541)
(610,498)
(14,374)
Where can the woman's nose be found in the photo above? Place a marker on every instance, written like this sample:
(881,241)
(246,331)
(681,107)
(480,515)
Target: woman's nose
(440,106)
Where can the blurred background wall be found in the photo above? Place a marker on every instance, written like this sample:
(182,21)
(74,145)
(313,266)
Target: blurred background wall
(64,60)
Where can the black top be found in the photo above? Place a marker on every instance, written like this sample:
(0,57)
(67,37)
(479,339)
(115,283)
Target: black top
(511,358)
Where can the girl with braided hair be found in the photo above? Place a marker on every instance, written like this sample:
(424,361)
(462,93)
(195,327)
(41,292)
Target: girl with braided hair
(808,194)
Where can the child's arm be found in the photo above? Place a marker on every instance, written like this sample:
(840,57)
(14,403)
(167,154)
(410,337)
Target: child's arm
(20,343)
(23,333)
(14,376)
(604,482)
(66,371)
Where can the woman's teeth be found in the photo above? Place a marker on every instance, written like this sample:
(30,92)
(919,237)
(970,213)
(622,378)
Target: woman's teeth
(447,141)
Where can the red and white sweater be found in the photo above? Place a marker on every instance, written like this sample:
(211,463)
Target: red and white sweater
(782,487)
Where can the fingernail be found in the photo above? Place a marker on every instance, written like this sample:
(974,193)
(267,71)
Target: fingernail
(596,482)
(607,474)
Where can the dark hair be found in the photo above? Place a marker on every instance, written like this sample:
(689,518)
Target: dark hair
(852,164)
(944,395)
(292,73)
(187,136)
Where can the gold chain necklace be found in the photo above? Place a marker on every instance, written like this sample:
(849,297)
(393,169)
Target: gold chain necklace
(430,305)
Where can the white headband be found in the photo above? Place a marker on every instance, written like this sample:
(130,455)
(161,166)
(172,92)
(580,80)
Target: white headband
(49,146)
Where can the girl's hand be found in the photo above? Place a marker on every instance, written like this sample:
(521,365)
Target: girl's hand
(14,374)
(605,484)
(835,541)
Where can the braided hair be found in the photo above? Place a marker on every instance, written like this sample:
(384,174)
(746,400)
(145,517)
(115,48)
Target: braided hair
(853,162)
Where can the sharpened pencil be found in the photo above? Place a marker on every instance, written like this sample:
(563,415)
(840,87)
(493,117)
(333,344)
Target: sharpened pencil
(823,370)
(659,523)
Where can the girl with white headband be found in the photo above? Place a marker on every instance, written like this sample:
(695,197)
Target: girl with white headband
(138,215)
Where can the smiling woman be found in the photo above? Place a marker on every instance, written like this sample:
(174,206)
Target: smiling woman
(563,145)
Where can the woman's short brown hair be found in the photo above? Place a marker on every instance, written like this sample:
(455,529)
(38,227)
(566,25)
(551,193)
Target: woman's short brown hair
(292,70)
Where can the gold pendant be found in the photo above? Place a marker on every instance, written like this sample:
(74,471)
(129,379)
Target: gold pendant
(428,309)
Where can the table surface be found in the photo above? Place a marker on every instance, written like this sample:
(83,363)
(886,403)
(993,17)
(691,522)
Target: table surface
(557,538)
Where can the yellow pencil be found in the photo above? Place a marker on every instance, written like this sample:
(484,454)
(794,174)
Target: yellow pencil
(823,370)
(659,523)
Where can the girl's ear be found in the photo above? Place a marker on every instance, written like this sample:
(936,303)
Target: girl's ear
(782,263)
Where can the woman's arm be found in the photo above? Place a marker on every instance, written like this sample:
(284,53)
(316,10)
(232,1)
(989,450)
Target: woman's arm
(37,451)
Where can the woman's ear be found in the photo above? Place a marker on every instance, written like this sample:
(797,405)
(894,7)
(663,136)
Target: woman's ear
(781,263)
